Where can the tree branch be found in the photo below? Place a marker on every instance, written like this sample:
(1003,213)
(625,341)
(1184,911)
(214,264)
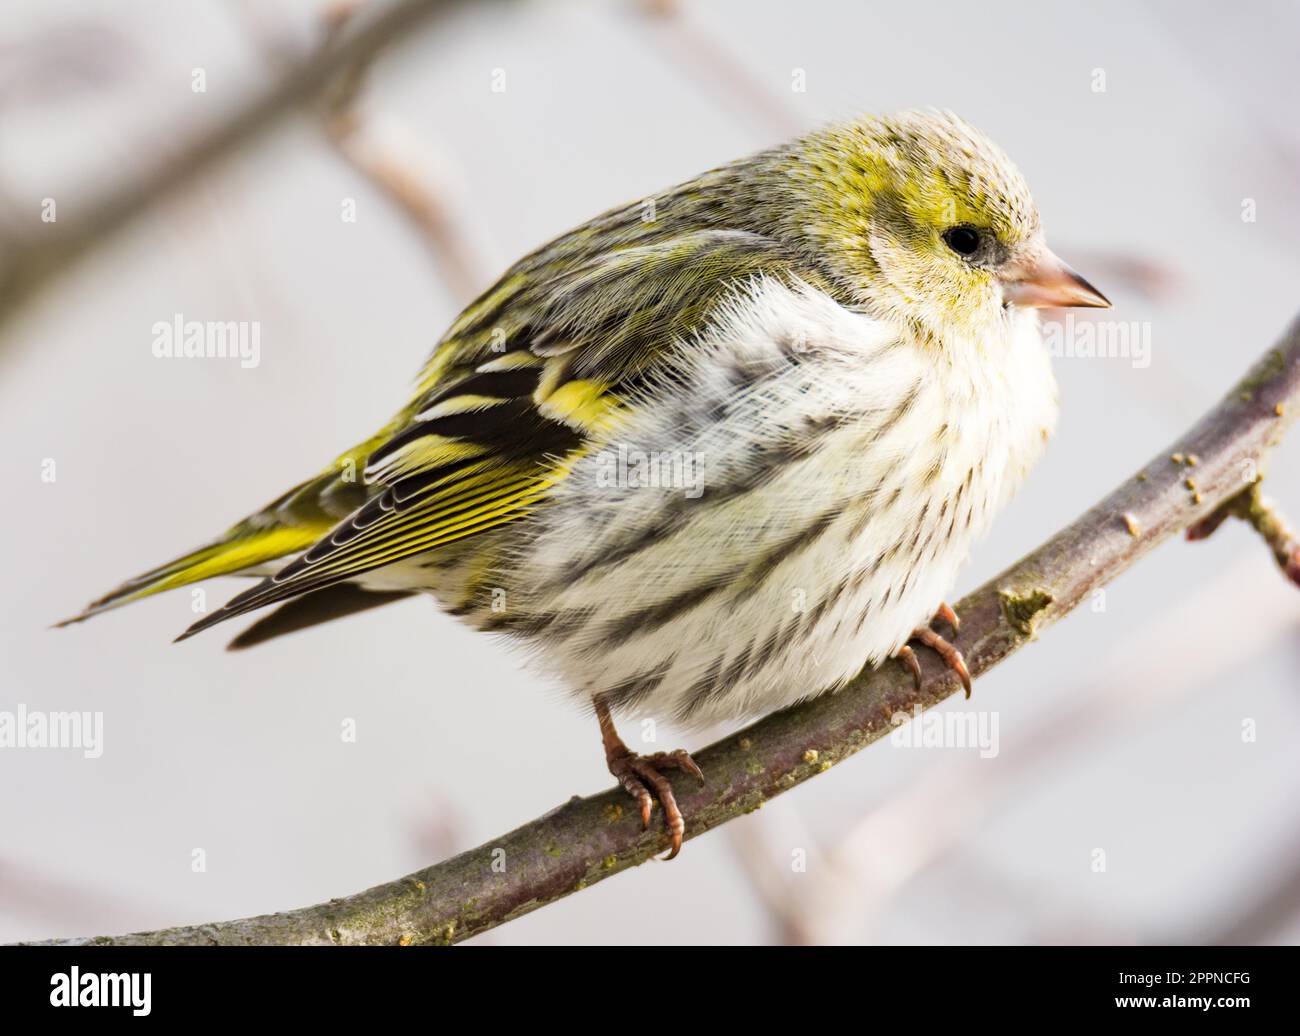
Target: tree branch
(586,840)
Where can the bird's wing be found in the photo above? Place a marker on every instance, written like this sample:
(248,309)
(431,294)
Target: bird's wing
(513,395)
(336,602)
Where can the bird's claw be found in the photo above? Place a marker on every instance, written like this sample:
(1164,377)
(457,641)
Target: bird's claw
(950,655)
(642,777)
(908,657)
(949,616)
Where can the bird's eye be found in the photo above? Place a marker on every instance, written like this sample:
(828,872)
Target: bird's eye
(962,240)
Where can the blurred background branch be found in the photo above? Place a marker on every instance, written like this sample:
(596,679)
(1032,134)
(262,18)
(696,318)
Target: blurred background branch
(29,260)
(382,149)
(589,839)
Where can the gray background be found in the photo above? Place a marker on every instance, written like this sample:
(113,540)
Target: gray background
(1121,731)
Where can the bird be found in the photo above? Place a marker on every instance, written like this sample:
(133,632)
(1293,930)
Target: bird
(712,452)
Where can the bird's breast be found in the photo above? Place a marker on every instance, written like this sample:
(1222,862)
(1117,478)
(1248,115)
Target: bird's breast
(785,514)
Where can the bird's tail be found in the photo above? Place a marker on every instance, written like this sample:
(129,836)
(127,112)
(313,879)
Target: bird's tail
(244,547)
(288,525)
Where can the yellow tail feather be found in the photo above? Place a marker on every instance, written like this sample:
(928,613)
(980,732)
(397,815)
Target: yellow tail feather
(244,549)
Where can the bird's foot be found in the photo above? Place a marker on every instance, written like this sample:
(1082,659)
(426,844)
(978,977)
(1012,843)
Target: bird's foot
(950,655)
(642,777)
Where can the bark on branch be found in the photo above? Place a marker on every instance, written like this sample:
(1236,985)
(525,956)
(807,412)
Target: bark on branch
(1212,470)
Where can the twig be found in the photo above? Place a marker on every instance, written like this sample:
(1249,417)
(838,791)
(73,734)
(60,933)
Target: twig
(387,159)
(31,261)
(589,839)
(382,150)
(1262,515)
(698,54)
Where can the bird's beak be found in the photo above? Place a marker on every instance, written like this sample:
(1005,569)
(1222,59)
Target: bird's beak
(1043,280)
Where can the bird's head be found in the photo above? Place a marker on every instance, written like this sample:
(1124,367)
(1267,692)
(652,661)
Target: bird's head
(922,218)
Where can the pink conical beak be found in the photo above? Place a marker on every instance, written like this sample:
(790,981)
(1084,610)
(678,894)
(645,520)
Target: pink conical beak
(1042,280)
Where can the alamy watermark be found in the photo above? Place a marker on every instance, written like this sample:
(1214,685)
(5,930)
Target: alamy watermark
(953,729)
(75,988)
(32,729)
(1088,339)
(179,338)
(626,468)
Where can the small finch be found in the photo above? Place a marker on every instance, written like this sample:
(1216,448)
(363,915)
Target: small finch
(709,453)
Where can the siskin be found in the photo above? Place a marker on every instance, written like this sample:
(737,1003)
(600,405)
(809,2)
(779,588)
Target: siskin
(704,439)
